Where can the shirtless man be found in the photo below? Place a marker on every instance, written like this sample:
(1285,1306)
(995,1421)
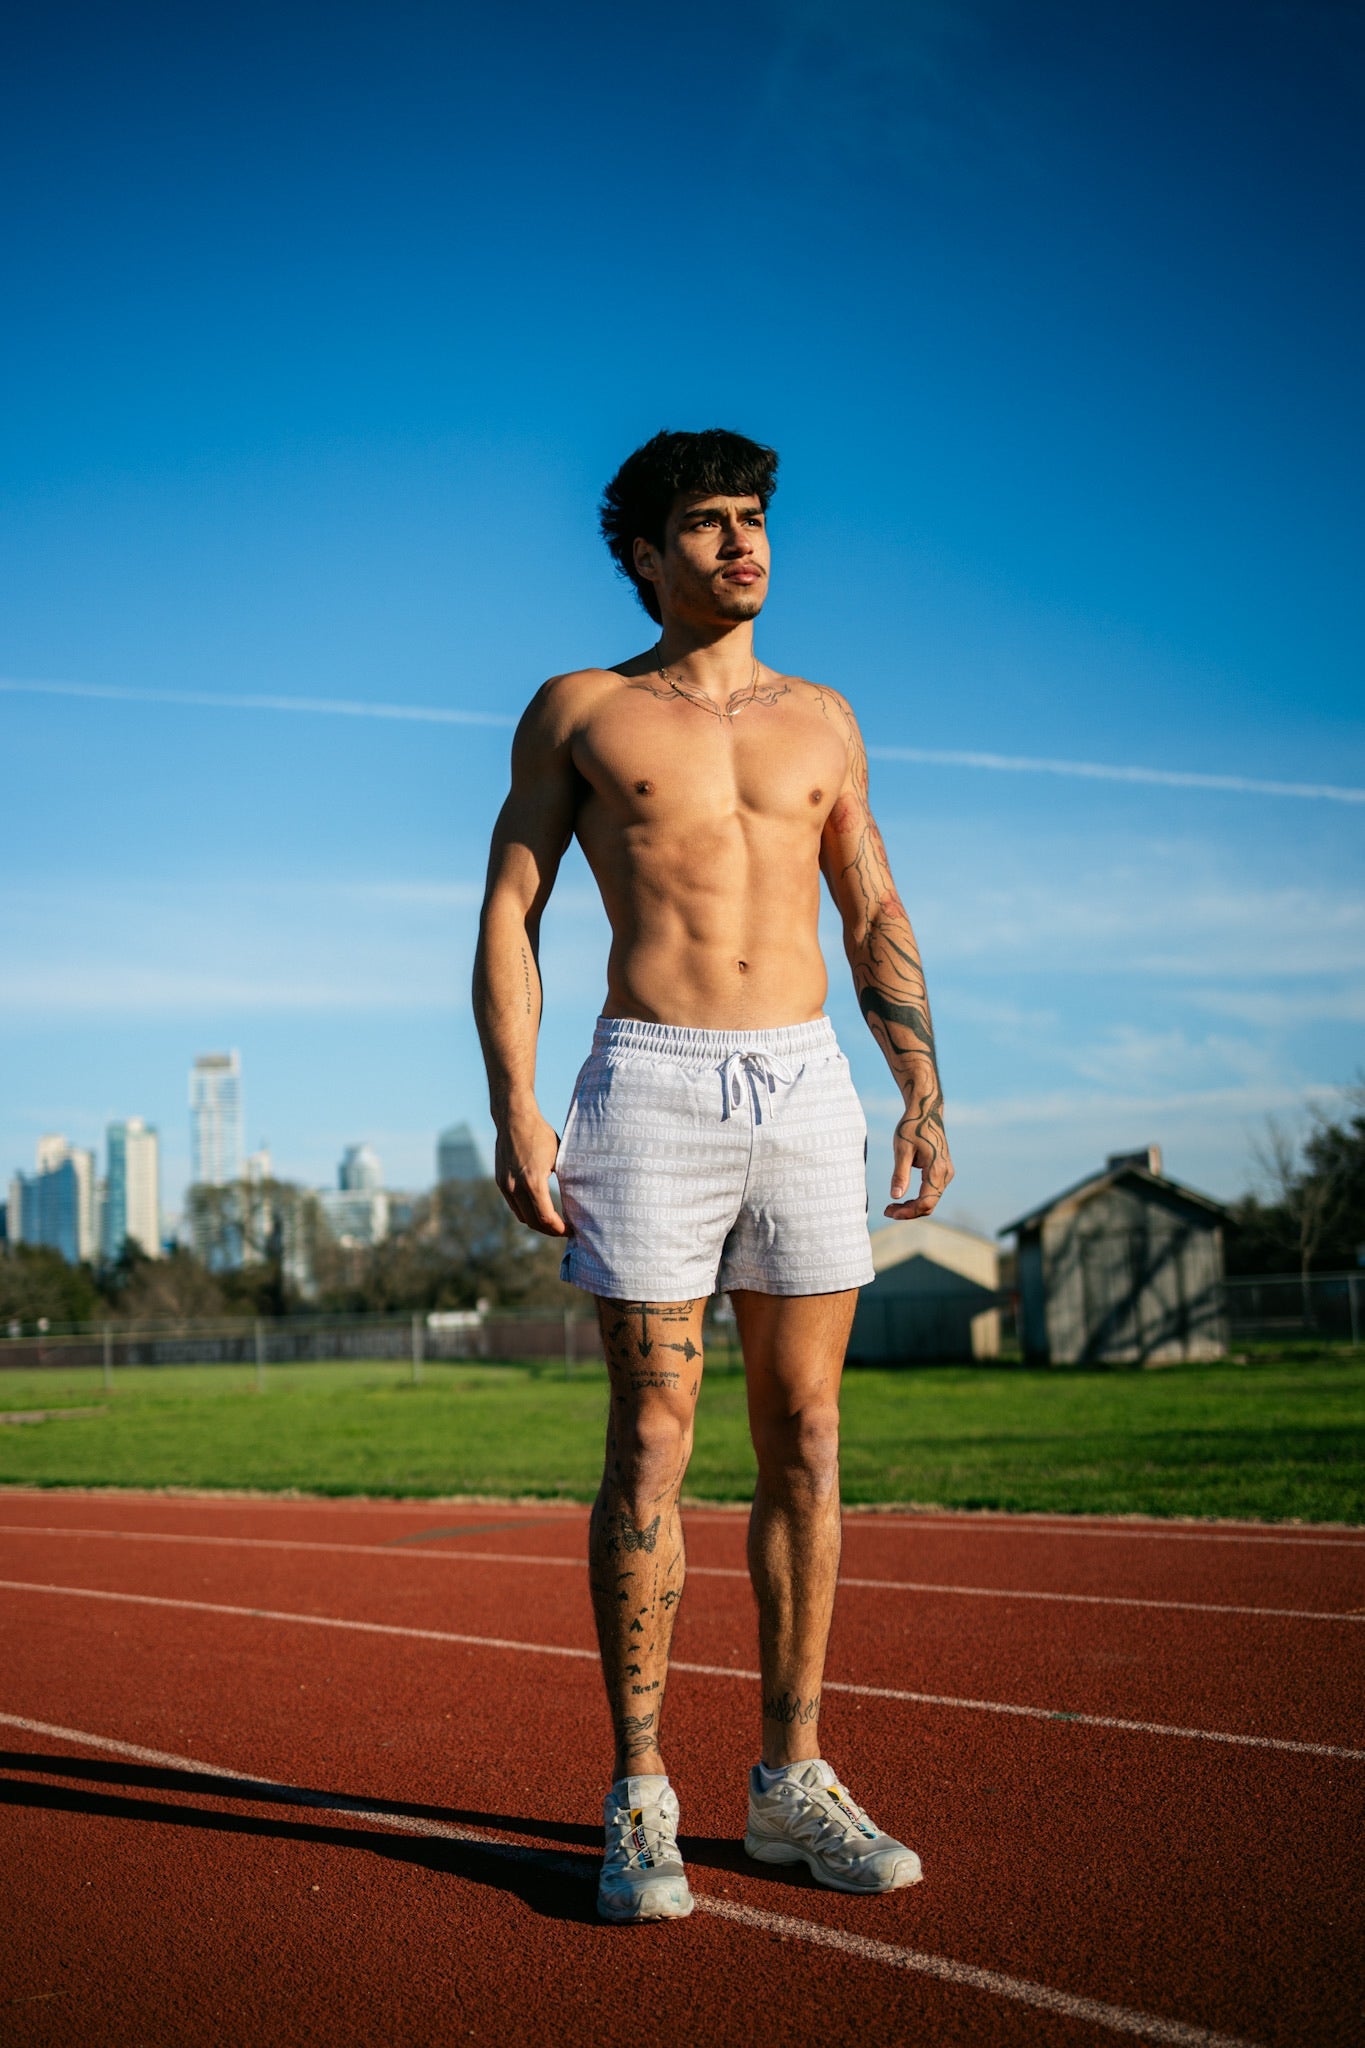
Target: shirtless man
(714,1138)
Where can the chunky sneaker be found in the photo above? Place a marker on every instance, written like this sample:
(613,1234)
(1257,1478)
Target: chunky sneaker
(809,1818)
(642,1873)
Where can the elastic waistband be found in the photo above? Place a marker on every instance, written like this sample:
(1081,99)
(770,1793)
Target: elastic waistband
(681,1041)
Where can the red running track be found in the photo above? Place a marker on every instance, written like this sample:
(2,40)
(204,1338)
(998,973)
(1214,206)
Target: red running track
(305,1772)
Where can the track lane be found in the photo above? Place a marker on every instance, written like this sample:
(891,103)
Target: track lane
(1235,1675)
(1250,1566)
(1029,1864)
(446,1554)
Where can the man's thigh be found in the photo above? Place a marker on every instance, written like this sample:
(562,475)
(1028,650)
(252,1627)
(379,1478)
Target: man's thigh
(794,1347)
(653,1351)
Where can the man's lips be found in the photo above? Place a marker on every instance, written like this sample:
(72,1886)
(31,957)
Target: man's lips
(744,575)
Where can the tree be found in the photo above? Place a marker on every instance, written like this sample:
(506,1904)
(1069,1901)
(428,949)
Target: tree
(171,1289)
(263,1240)
(463,1246)
(1314,1213)
(37,1284)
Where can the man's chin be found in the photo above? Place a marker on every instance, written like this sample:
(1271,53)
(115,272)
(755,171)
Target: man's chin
(745,603)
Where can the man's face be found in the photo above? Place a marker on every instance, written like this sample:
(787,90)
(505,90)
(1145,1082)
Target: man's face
(714,562)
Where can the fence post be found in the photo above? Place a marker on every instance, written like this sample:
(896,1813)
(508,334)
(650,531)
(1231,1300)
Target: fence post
(1355,1311)
(417,1351)
(568,1343)
(260,1356)
(109,1356)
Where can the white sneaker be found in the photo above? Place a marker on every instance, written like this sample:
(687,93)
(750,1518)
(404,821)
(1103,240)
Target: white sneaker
(809,1818)
(642,1873)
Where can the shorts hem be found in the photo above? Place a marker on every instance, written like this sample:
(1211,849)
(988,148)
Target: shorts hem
(791,1285)
(582,1270)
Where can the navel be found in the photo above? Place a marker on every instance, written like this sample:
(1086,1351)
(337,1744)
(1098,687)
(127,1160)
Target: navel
(644,789)
(744,967)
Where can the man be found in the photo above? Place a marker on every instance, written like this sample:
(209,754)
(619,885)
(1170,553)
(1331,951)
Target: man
(714,1138)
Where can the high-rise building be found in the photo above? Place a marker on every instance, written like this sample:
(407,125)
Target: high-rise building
(55,1205)
(132,1200)
(360,1168)
(457,1155)
(216,1119)
(357,1209)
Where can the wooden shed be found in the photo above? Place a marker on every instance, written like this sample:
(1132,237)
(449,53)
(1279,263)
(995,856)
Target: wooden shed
(936,1295)
(1124,1267)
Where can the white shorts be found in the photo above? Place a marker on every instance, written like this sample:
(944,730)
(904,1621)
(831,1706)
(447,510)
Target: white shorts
(698,1161)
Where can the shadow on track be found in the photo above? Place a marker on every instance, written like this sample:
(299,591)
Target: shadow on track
(558,1885)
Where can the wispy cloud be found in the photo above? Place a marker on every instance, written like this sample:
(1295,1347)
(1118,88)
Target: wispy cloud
(1103,771)
(442,714)
(327,707)
(1069,1106)
(1275,1010)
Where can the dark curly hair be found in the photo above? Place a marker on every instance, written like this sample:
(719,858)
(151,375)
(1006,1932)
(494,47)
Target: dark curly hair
(637,501)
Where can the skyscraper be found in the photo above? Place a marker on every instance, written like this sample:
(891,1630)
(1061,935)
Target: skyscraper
(457,1155)
(216,1119)
(360,1168)
(357,1209)
(132,1203)
(56,1205)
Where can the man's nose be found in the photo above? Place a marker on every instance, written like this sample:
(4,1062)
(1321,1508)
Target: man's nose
(738,540)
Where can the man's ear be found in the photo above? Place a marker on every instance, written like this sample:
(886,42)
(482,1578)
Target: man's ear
(646,560)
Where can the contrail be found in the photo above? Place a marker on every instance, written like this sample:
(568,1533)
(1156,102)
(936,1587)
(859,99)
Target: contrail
(1100,771)
(437,714)
(331,707)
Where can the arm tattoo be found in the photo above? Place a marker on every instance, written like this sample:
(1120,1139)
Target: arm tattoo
(884,956)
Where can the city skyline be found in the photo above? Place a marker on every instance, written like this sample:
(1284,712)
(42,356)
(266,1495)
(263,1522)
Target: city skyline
(67,1204)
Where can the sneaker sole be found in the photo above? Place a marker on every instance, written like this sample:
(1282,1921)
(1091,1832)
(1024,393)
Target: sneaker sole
(627,1911)
(764,1850)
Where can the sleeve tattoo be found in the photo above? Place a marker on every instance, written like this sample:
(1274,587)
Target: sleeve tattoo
(884,956)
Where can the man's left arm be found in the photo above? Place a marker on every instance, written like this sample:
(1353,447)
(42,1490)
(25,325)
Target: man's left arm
(888,976)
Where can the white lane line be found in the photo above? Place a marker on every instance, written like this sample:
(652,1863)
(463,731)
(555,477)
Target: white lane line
(987,1522)
(1117,2019)
(999,1525)
(871,1692)
(701,1571)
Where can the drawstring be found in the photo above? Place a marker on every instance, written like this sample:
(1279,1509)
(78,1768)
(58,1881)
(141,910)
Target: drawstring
(756,1067)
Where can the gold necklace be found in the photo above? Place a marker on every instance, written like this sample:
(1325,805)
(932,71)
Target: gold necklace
(734,703)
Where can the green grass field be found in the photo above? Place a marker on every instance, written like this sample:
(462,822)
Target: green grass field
(1276,1437)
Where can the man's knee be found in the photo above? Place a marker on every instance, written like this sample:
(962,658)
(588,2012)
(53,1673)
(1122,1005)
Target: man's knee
(651,1444)
(800,1446)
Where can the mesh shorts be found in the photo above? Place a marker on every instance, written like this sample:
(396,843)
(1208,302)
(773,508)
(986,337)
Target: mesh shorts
(693,1161)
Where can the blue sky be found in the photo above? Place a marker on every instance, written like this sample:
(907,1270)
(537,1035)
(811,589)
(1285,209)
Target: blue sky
(325,328)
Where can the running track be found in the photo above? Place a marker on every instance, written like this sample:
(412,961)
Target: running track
(287,1772)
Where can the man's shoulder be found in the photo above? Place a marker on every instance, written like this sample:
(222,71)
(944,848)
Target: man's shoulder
(823,697)
(563,702)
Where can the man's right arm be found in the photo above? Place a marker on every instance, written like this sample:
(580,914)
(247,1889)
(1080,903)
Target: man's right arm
(533,829)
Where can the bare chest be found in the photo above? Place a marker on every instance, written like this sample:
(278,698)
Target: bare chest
(645,758)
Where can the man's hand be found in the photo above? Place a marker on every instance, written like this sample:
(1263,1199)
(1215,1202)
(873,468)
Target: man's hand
(919,1142)
(522,1167)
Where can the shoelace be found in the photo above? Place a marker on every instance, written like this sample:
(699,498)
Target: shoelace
(755,1067)
(641,1844)
(829,1814)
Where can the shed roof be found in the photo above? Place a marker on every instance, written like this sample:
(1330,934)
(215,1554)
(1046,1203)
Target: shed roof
(924,1237)
(1094,1183)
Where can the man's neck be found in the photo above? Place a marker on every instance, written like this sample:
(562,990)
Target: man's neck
(716,659)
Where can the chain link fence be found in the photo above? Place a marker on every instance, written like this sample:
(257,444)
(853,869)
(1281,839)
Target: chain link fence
(500,1336)
(1327,1307)
(1288,1307)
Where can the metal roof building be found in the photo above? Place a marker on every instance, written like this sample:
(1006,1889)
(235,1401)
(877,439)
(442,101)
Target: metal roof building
(936,1295)
(1124,1267)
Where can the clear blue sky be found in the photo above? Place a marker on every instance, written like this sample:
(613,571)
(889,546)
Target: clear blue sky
(324,328)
